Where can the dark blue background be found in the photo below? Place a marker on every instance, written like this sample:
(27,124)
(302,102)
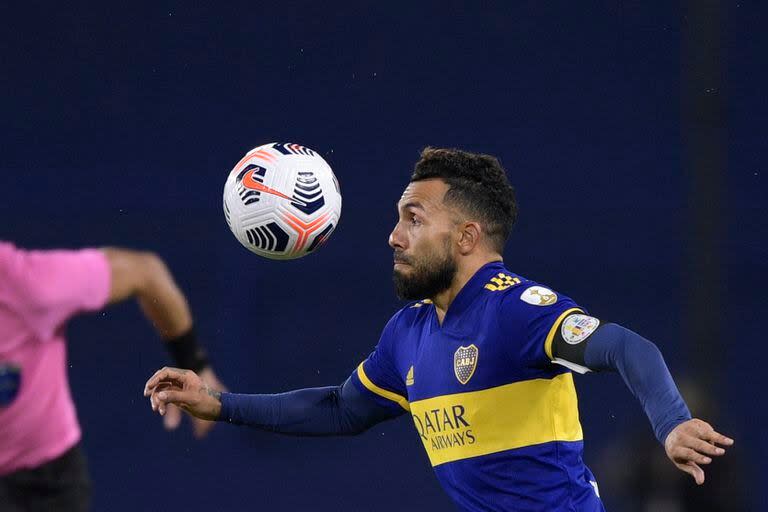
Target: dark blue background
(121,123)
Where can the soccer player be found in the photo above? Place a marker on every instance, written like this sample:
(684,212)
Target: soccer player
(482,361)
(42,466)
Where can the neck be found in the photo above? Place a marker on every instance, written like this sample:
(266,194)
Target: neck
(467,269)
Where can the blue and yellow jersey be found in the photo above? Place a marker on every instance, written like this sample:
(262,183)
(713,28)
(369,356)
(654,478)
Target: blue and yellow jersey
(499,421)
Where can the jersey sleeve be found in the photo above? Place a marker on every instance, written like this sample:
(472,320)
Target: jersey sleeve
(377,377)
(531,315)
(51,286)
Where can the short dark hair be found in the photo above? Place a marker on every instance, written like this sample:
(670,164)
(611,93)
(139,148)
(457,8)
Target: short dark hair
(477,184)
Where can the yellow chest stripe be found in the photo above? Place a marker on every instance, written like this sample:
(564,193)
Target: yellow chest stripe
(463,425)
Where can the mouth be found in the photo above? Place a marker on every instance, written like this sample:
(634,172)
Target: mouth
(399,260)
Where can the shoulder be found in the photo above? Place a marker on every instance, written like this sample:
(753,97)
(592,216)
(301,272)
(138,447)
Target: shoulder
(47,274)
(531,293)
(531,298)
(511,289)
(8,253)
(515,296)
(8,256)
(13,263)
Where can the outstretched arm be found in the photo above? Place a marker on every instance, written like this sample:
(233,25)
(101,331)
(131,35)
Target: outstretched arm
(689,443)
(339,410)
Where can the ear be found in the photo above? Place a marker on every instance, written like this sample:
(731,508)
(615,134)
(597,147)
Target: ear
(469,237)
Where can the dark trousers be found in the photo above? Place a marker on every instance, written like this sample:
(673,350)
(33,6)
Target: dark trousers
(61,485)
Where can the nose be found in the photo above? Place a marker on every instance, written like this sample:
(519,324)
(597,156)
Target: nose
(396,239)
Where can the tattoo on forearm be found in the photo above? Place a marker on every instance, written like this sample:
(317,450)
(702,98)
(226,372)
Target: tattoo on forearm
(212,392)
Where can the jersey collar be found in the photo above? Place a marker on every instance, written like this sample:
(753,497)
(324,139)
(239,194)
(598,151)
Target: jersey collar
(472,289)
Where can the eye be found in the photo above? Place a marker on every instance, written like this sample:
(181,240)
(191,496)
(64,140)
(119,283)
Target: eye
(415,221)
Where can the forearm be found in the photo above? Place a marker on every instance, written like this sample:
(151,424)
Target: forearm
(143,275)
(162,301)
(643,370)
(339,410)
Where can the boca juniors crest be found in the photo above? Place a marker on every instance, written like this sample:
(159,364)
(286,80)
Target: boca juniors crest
(465,362)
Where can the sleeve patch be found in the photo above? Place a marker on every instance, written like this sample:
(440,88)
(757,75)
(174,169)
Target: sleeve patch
(501,281)
(539,296)
(577,328)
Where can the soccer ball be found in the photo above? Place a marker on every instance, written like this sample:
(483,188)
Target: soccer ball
(282,201)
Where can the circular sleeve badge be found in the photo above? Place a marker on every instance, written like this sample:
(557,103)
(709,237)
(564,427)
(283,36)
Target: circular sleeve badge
(577,328)
(539,296)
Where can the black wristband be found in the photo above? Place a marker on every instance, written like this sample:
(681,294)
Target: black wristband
(187,352)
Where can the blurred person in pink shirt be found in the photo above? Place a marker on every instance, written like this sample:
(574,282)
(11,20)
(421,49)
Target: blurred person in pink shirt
(42,466)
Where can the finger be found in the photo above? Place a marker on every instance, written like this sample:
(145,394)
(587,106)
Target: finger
(201,428)
(162,386)
(165,386)
(704,430)
(169,382)
(152,381)
(704,447)
(155,402)
(173,396)
(696,472)
(160,403)
(719,438)
(692,469)
(172,417)
(685,455)
(685,468)
(165,373)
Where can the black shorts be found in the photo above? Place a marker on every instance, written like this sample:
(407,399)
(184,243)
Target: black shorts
(59,485)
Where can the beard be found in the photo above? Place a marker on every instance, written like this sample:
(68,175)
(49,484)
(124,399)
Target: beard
(429,275)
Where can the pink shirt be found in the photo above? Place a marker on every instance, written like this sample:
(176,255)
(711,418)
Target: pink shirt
(39,292)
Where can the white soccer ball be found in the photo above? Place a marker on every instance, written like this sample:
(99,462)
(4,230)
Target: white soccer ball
(282,201)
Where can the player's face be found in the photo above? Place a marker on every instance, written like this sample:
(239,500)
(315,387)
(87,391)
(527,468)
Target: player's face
(425,263)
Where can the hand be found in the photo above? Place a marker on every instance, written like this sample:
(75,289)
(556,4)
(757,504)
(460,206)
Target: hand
(184,388)
(692,443)
(200,428)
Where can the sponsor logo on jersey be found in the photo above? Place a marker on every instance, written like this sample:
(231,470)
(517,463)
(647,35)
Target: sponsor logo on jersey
(465,362)
(458,426)
(444,428)
(577,328)
(539,296)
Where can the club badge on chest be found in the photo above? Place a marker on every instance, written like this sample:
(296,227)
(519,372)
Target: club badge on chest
(465,362)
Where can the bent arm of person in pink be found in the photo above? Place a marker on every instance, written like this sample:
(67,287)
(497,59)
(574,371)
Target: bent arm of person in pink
(50,287)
